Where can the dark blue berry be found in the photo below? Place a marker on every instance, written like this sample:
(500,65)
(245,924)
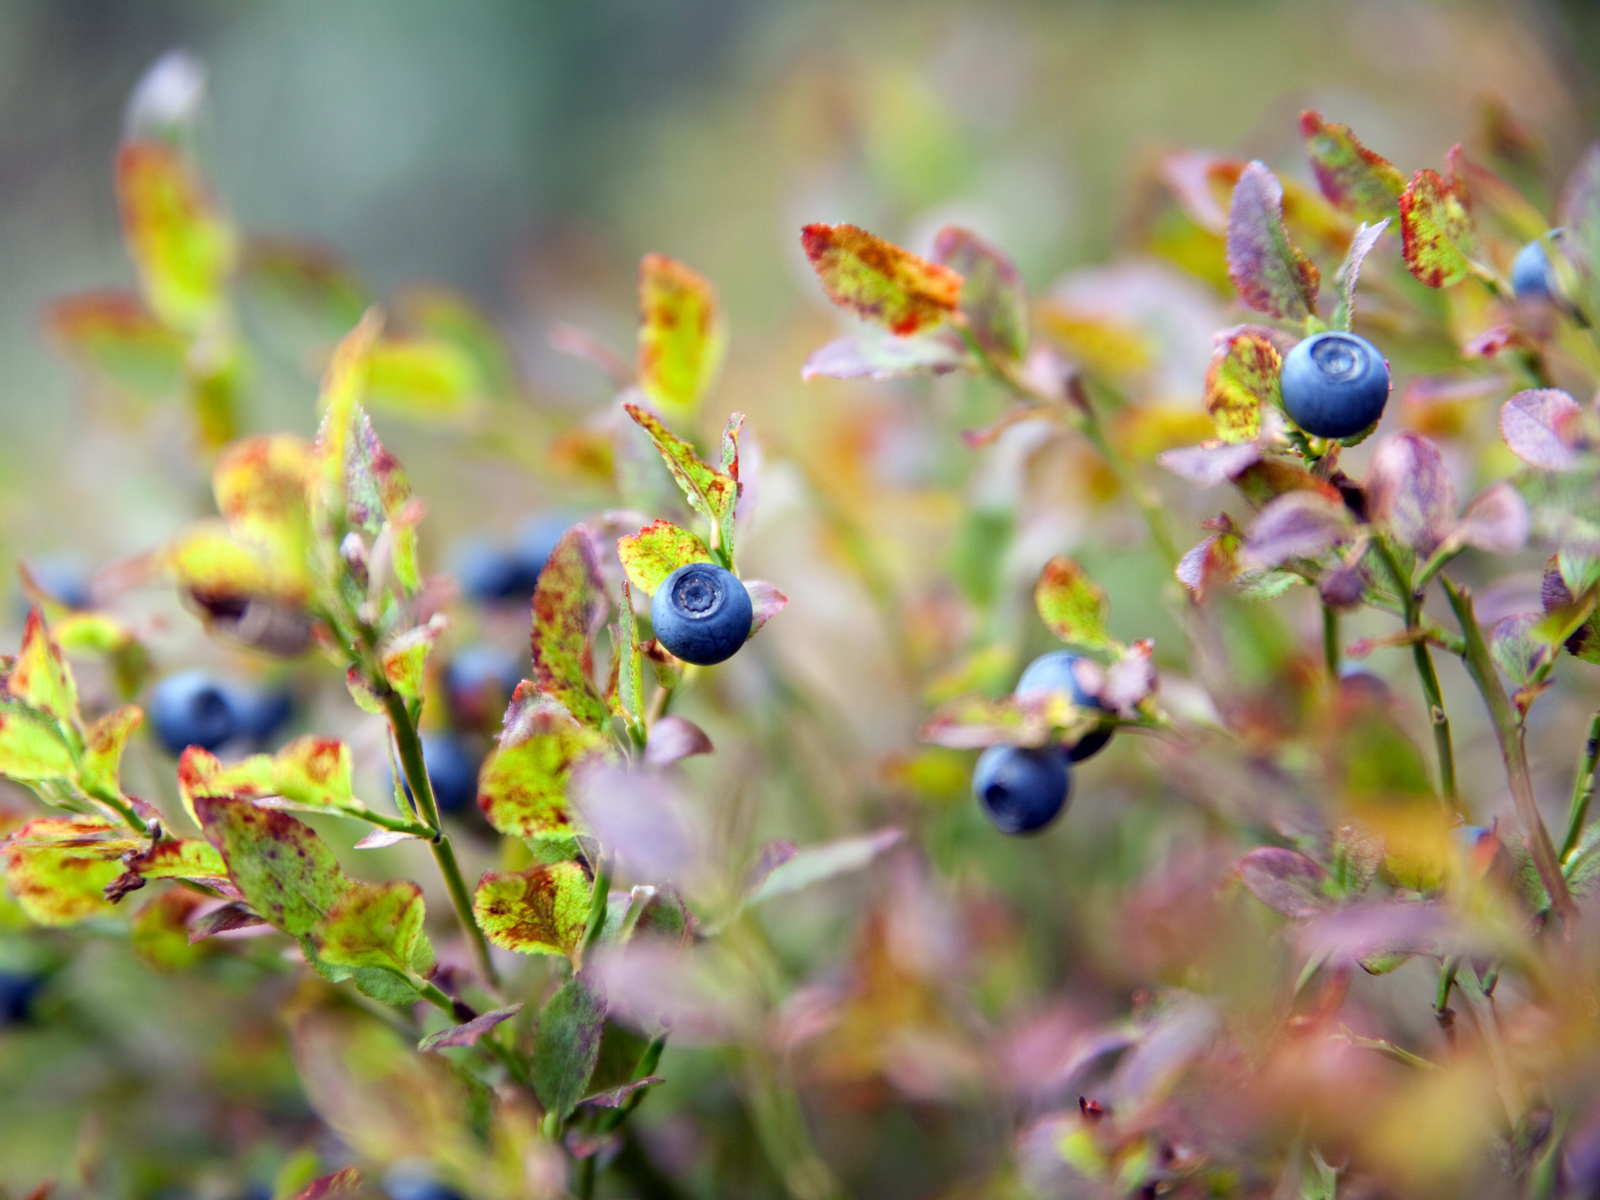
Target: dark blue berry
(489,574)
(1021,789)
(479,681)
(408,1182)
(1532,275)
(536,541)
(260,712)
(17,990)
(1334,384)
(702,613)
(193,709)
(452,770)
(1053,672)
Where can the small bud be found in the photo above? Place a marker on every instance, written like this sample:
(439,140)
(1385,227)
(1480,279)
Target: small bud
(166,98)
(354,552)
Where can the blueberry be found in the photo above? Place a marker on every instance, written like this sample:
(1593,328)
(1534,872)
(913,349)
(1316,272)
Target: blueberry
(17,989)
(1053,672)
(260,712)
(1021,789)
(702,613)
(408,1181)
(452,770)
(536,541)
(1532,275)
(479,681)
(192,709)
(488,574)
(1334,384)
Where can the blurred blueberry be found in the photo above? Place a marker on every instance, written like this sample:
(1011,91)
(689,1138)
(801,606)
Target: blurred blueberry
(193,709)
(17,990)
(1334,384)
(479,681)
(1053,672)
(1532,276)
(261,712)
(1021,789)
(452,770)
(487,573)
(62,578)
(702,613)
(536,541)
(405,1181)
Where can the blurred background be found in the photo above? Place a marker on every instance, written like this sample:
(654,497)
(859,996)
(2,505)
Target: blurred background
(526,155)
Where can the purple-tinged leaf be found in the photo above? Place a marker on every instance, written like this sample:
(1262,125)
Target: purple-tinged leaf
(1298,524)
(773,855)
(1342,586)
(887,357)
(381,839)
(1210,463)
(1361,245)
(580,343)
(1131,680)
(674,738)
(1542,427)
(642,818)
(1410,491)
(341,1183)
(618,1096)
(1209,564)
(469,1033)
(815,864)
(766,602)
(1272,274)
(227,919)
(1579,215)
(567,1043)
(1353,178)
(1495,521)
(1286,881)
(1242,378)
(1518,649)
(992,296)
(569,606)
(1436,230)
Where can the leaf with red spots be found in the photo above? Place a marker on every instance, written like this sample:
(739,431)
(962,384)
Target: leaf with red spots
(1272,274)
(542,910)
(341,1183)
(405,658)
(1436,230)
(376,925)
(992,296)
(522,788)
(40,677)
(58,868)
(287,874)
(627,696)
(1287,882)
(311,771)
(656,551)
(878,281)
(1072,606)
(182,246)
(566,1044)
(119,342)
(681,338)
(1242,377)
(1363,184)
(100,771)
(712,493)
(176,858)
(569,605)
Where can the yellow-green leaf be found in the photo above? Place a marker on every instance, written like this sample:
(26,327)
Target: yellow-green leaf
(680,335)
(119,342)
(422,377)
(522,787)
(1071,605)
(1364,184)
(41,678)
(879,281)
(286,872)
(406,657)
(182,247)
(542,910)
(376,925)
(1243,376)
(569,603)
(656,551)
(1436,230)
(711,493)
(31,750)
(100,774)
(58,869)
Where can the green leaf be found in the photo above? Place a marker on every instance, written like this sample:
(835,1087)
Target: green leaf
(1072,606)
(656,551)
(1436,230)
(405,658)
(312,771)
(1353,178)
(422,377)
(41,678)
(818,863)
(1350,271)
(182,247)
(1272,274)
(566,1045)
(522,787)
(879,281)
(711,493)
(542,910)
(107,738)
(32,750)
(376,925)
(159,931)
(992,296)
(118,341)
(287,874)
(629,699)
(303,283)
(58,868)
(569,604)
(681,340)
(446,316)
(1242,378)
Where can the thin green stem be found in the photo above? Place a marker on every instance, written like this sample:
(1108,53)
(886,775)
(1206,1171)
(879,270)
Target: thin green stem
(409,746)
(1330,642)
(1508,729)
(598,903)
(1477,997)
(1422,657)
(1582,791)
(1447,979)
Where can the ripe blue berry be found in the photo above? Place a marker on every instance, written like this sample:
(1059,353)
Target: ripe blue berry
(260,712)
(192,709)
(1532,275)
(1334,384)
(1021,789)
(1053,672)
(478,683)
(702,613)
(452,770)
(493,575)
(17,989)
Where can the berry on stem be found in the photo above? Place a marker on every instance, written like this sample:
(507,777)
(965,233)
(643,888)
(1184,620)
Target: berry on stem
(702,613)
(1334,384)
(1021,789)
(192,709)
(1053,672)
(1533,276)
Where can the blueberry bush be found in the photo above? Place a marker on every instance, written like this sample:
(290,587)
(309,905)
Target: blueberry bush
(1317,922)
